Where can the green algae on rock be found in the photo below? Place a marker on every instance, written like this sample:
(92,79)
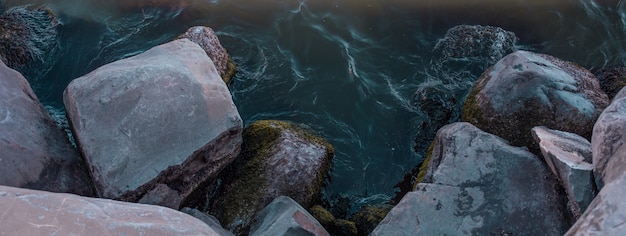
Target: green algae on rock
(526,89)
(277,158)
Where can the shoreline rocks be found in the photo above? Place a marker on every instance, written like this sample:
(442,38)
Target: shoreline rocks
(208,41)
(35,153)
(154,127)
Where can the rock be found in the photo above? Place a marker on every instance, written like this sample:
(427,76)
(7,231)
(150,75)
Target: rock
(210,220)
(30,212)
(526,89)
(612,80)
(29,40)
(345,228)
(34,152)
(368,217)
(467,50)
(609,133)
(284,216)
(207,39)
(478,184)
(438,104)
(569,157)
(277,158)
(156,126)
(607,212)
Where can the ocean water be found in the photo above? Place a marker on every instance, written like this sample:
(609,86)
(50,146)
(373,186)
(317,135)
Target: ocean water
(346,68)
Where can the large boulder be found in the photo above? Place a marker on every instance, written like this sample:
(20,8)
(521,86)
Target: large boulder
(609,134)
(30,212)
(569,157)
(34,152)
(29,40)
(524,90)
(476,183)
(156,126)
(207,39)
(607,212)
(283,217)
(277,158)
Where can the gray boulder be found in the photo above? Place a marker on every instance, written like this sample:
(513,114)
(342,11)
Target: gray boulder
(569,157)
(30,212)
(277,158)
(284,216)
(34,152)
(29,40)
(607,212)
(210,220)
(609,134)
(524,90)
(207,39)
(154,127)
(476,183)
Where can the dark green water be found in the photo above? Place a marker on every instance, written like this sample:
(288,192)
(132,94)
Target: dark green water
(345,68)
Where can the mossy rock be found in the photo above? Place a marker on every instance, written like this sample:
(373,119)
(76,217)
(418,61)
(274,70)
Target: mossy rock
(526,89)
(323,216)
(277,158)
(368,217)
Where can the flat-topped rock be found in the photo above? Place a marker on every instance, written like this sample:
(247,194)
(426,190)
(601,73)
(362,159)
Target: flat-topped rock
(569,157)
(207,39)
(154,127)
(34,213)
(34,152)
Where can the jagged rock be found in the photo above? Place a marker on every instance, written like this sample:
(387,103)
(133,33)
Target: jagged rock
(525,90)
(34,152)
(154,127)
(569,157)
(210,220)
(607,212)
(467,50)
(612,80)
(29,40)
(30,212)
(284,216)
(207,39)
(476,183)
(277,158)
(609,133)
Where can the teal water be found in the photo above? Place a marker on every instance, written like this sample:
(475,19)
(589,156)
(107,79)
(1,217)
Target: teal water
(347,69)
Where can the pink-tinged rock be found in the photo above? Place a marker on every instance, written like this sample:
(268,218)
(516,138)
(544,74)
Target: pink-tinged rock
(156,126)
(569,157)
(33,213)
(207,39)
(34,152)
(284,216)
(609,134)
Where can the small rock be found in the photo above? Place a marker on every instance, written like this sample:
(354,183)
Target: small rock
(569,157)
(210,220)
(284,216)
(30,212)
(34,152)
(277,158)
(524,90)
(207,39)
(156,126)
(368,217)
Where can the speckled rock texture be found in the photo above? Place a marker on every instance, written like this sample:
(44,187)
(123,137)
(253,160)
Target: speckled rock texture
(30,212)
(156,126)
(29,40)
(478,184)
(609,134)
(569,157)
(207,39)
(277,158)
(34,152)
(524,90)
(283,217)
(612,80)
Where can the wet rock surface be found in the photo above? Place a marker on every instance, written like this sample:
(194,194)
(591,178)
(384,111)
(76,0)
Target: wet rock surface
(277,158)
(154,127)
(526,89)
(284,216)
(30,212)
(29,40)
(476,183)
(569,157)
(34,152)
